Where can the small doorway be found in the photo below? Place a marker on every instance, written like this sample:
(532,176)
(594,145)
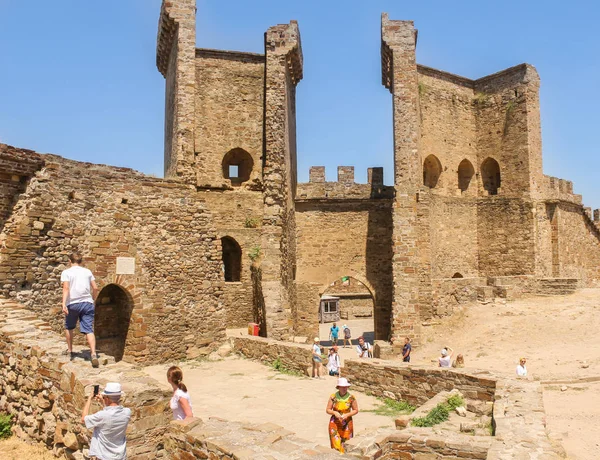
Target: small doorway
(113,315)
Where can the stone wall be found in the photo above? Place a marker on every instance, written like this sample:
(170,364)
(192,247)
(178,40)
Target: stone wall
(338,238)
(45,392)
(107,213)
(16,168)
(454,236)
(229,113)
(506,236)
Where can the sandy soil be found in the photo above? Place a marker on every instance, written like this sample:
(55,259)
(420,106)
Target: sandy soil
(242,390)
(15,449)
(558,336)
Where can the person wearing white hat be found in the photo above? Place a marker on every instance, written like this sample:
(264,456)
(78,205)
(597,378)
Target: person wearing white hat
(445,357)
(109,424)
(317,360)
(342,406)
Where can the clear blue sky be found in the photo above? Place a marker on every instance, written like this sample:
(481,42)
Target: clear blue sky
(78,78)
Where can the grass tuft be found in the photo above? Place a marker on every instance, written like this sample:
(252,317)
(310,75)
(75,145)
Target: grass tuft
(392,408)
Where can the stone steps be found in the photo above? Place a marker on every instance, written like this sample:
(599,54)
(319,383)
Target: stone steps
(557,286)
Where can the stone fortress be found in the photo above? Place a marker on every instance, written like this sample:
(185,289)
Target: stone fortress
(229,236)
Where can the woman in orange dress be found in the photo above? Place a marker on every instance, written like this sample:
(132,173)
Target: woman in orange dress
(341,406)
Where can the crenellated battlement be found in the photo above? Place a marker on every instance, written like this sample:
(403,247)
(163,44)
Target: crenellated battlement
(560,189)
(345,187)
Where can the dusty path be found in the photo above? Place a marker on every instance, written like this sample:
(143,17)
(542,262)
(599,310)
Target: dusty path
(242,390)
(558,336)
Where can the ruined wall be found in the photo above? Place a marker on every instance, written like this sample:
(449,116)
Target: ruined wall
(447,126)
(46,393)
(115,212)
(229,112)
(506,236)
(344,238)
(16,168)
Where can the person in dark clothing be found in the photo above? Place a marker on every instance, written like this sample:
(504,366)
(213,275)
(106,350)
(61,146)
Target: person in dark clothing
(406,349)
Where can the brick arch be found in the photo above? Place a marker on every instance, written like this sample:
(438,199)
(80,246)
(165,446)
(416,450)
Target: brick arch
(136,333)
(357,277)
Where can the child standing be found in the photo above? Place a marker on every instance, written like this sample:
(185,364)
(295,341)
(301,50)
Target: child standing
(333,361)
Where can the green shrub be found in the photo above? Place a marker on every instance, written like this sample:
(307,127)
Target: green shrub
(252,222)
(455,401)
(5,426)
(254,253)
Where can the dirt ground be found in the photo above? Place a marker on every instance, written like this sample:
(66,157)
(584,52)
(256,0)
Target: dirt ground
(558,336)
(14,449)
(242,390)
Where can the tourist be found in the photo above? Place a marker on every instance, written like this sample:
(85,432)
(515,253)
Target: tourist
(317,360)
(364,349)
(334,332)
(333,361)
(180,404)
(521,368)
(347,336)
(110,424)
(446,356)
(342,406)
(79,291)
(459,361)
(406,349)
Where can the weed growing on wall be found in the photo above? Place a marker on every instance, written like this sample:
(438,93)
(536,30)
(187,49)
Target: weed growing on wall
(392,408)
(5,426)
(439,413)
(254,253)
(252,222)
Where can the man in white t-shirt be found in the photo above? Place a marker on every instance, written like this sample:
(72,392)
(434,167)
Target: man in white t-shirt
(79,292)
(364,349)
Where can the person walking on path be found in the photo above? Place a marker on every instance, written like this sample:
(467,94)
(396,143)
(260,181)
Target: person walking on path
(181,404)
(406,350)
(364,349)
(446,357)
(79,291)
(317,360)
(334,332)
(110,424)
(342,406)
(347,336)
(521,368)
(333,361)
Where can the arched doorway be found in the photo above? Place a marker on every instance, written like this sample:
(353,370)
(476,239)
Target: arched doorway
(490,176)
(111,324)
(232,259)
(355,308)
(432,170)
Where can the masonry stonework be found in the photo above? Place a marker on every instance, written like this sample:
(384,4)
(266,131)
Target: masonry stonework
(230,237)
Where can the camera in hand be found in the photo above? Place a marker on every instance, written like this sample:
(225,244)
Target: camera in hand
(96,389)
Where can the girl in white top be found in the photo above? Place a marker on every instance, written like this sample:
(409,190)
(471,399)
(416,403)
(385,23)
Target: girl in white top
(446,357)
(521,368)
(333,361)
(181,403)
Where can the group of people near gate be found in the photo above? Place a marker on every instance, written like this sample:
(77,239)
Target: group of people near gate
(109,425)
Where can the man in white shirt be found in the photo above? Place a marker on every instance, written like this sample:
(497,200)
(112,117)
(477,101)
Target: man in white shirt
(522,368)
(364,349)
(79,292)
(110,424)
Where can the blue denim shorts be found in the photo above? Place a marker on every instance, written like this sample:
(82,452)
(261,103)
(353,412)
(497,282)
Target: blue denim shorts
(84,312)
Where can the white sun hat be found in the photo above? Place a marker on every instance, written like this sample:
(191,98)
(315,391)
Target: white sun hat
(112,389)
(342,382)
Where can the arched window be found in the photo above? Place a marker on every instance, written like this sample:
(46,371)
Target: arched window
(432,168)
(465,174)
(232,259)
(237,166)
(490,176)
(457,275)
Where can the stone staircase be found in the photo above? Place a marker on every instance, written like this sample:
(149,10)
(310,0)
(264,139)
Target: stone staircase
(557,286)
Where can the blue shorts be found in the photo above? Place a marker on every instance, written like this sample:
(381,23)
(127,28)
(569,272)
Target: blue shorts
(84,312)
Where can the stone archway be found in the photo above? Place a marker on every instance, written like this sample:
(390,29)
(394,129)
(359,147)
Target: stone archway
(114,306)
